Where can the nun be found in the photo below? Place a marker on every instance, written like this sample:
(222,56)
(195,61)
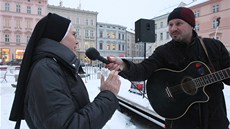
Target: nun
(50,94)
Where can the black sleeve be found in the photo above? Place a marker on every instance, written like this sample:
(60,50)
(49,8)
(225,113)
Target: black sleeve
(143,70)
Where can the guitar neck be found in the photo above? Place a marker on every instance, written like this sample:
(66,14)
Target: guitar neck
(212,78)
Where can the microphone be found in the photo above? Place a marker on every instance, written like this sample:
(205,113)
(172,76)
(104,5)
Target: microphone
(93,54)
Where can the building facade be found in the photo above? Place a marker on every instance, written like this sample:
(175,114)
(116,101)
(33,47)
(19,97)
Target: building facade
(85,24)
(133,49)
(18,19)
(207,24)
(111,39)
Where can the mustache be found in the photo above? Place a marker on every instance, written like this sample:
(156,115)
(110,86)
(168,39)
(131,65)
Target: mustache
(175,31)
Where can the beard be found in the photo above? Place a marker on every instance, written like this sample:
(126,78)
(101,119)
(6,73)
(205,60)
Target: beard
(176,38)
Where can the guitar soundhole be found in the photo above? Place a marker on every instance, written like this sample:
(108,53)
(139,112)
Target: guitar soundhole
(188,86)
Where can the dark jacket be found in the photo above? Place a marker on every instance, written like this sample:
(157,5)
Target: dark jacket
(177,56)
(56,97)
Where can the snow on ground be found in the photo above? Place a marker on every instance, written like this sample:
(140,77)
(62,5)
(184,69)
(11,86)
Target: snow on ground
(118,120)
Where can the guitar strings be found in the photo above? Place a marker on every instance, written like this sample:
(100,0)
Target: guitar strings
(178,89)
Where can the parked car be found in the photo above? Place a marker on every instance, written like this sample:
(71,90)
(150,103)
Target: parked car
(14,62)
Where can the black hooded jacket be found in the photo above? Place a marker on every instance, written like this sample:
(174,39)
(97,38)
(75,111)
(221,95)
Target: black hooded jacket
(176,56)
(56,97)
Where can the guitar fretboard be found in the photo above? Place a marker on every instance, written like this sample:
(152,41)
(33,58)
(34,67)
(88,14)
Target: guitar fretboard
(212,78)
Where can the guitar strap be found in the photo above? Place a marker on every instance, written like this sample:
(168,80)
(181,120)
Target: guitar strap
(206,52)
(212,70)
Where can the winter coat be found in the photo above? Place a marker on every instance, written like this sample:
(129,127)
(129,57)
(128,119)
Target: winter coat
(176,56)
(56,97)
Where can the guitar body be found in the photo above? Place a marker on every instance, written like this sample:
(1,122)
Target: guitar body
(171,92)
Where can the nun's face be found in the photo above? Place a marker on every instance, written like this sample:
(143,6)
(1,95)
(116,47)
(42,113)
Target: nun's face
(70,40)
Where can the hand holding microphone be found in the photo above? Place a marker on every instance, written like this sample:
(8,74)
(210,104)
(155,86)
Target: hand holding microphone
(112,83)
(113,63)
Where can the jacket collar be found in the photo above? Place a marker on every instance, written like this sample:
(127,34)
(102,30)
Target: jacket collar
(58,51)
(184,45)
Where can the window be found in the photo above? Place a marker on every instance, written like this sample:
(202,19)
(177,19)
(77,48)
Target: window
(28,9)
(17,38)
(119,36)
(161,36)
(27,38)
(39,11)
(86,33)
(114,35)
(123,37)
(78,32)
(18,24)
(197,13)
(215,8)
(119,47)
(7,23)
(7,7)
(108,34)
(18,8)
(101,34)
(161,24)
(167,35)
(28,24)
(101,46)
(91,33)
(108,46)
(86,22)
(91,22)
(114,47)
(7,38)
(123,47)
(197,27)
(214,24)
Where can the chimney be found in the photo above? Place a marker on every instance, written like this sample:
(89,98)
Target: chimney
(60,3)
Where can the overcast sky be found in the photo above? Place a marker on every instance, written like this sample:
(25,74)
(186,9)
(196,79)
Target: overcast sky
(122,12)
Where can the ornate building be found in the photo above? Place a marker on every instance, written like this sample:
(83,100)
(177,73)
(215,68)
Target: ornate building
(111,39)
(18,19)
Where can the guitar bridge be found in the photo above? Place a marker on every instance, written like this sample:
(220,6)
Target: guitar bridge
(168,92)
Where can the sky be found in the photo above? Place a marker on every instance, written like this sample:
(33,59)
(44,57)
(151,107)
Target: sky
(118,120)
(123,12)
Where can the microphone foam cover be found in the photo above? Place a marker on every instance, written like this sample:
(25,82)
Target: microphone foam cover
(92,53)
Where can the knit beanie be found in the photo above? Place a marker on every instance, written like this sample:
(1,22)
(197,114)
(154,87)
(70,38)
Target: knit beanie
(183,13)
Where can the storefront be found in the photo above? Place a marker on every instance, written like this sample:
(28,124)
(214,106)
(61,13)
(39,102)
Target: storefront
(5,54)
(19,53)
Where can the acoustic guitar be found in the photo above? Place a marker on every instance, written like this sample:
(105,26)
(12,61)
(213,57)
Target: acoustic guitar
(171,92)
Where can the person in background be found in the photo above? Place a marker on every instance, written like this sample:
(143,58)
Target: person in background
(50,93)
(184,48)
